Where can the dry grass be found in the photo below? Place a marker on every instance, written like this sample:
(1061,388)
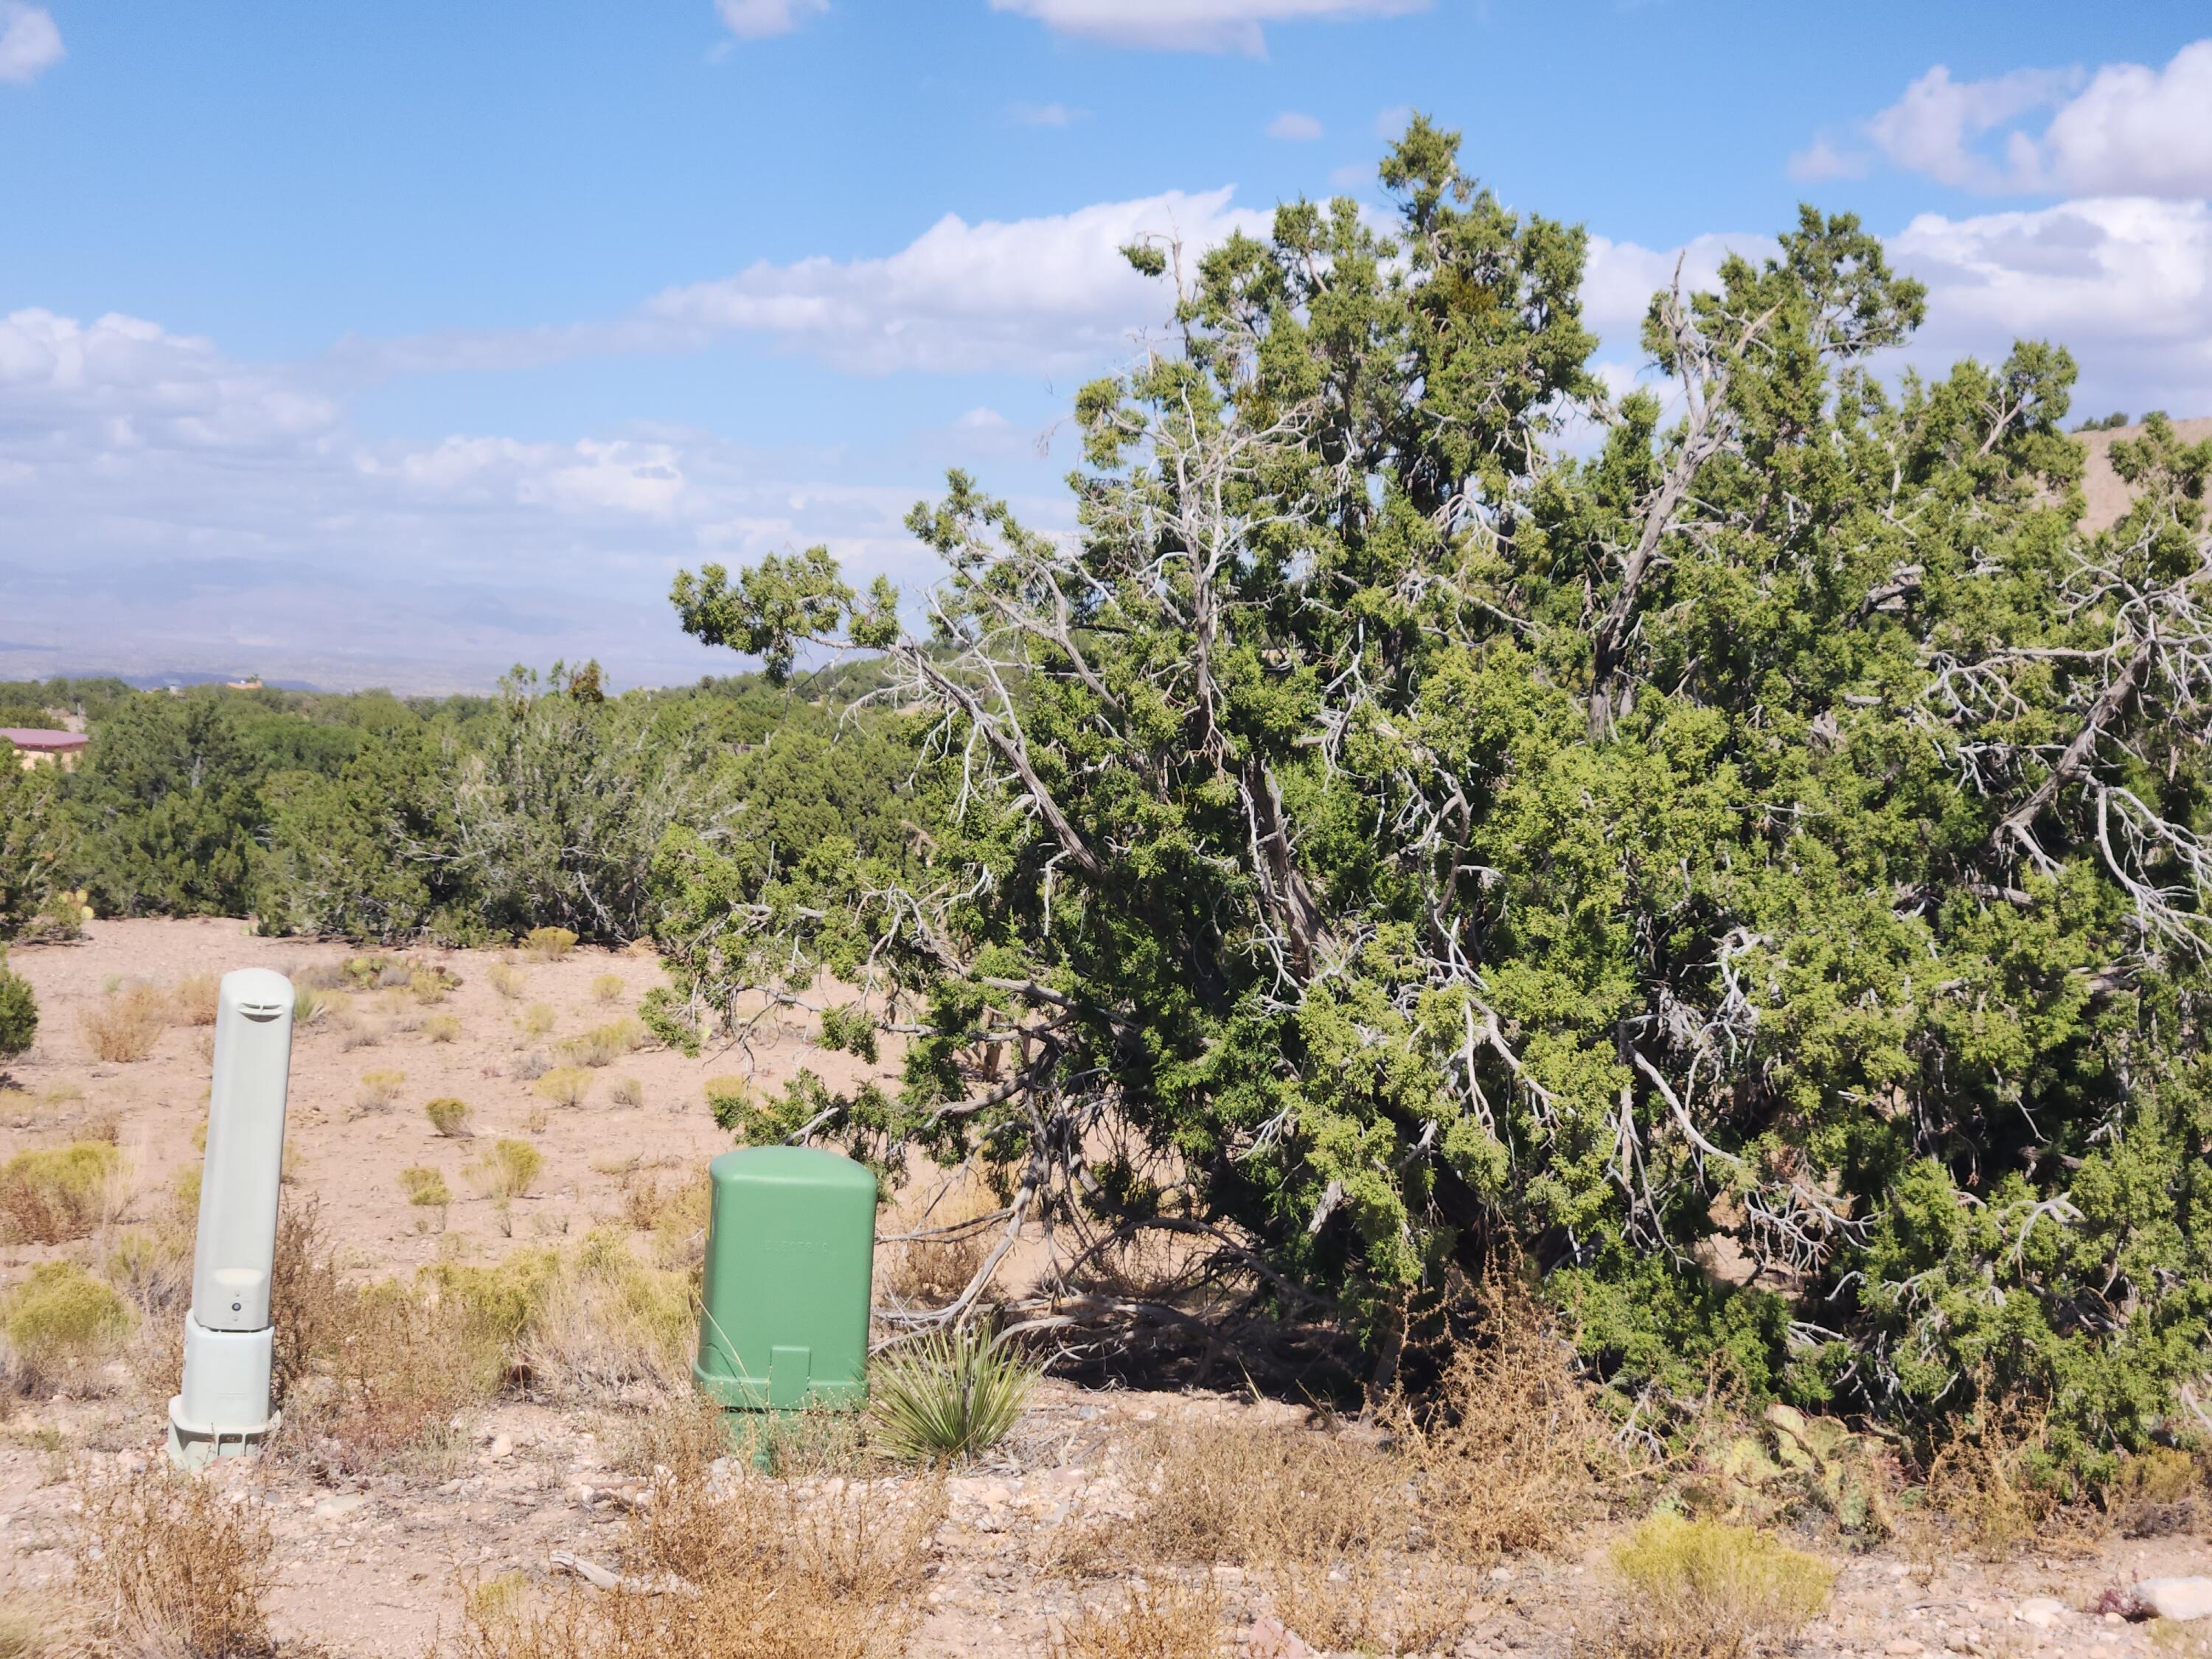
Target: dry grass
(194,1000)
(1982,1489)
(930,1271)
(508,1169)
(505,980)
(607,988)
(124,1027)
(626,1091)
(443,1028)
(564,1085)
(536,1019)
(51,1194)
(378,1089)
(1366,1543)
(603,1045)
(758,1569)
(1163,1620)
(41,1626)
(56,1323)
(1704,1589)
(547,944)
(608,1325)
(165,1567)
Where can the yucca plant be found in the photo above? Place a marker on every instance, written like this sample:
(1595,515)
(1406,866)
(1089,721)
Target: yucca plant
(949,1395)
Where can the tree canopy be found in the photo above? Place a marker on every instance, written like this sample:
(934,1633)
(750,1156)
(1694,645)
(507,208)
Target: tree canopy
(1737,844)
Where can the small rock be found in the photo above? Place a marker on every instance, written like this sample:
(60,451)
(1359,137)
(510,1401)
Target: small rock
(1904,1646)
(342,1503)
(1266,1638)
(2040,1611)
(502,1446)
(2178,1599)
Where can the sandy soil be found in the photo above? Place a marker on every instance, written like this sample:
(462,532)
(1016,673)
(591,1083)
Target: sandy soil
(378,1568)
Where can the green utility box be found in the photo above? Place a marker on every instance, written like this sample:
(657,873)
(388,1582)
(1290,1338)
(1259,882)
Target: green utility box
(791,1245)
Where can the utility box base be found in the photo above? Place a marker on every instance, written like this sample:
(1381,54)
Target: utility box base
(223,1408)
(791,1245)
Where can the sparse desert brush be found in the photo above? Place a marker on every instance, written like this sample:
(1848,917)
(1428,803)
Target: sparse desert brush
(443,1028)
(429,985)
(549,944)
(58,1316)
(1163,1619)
(609,1323)
(565,1085)
(425,1187)
(51,1194)
(945,1246)
(627,1091)
(506,979)
(378,1089)
(755,1568)
(309,1004)
(949,1395)
(603,1045)
(1704,1590)
(537,1020)
(607,987)
(355,1032)
(507,1170)
(194,1000)
(316,975)
(449,1116)
(531,1065)
(166,1566)
(125,1025)
(41,1624)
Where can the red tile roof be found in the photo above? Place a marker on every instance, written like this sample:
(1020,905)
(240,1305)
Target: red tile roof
(42,742)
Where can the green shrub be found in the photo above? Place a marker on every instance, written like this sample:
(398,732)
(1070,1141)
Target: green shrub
(52,1194)
(18,1012)
(603,1045)
(62,1312)
(507,1170)
(448,1116)
(1707,1588)
(425,1187)
(948,1396)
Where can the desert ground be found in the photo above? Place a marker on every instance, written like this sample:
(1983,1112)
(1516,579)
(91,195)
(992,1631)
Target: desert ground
(384,1563)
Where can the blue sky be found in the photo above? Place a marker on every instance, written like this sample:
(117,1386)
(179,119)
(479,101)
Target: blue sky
(393,343)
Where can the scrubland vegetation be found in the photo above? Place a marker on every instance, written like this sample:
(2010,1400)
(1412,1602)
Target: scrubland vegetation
(1657,981)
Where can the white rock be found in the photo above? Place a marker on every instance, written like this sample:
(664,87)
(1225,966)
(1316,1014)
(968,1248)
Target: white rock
(343,1504)
(2176,1599)
(502,1446)
(2040,1611)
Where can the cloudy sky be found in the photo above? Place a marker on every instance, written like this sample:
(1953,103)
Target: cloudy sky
(392,343)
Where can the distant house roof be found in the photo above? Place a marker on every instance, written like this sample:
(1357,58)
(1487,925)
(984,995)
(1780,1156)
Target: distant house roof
(40,742)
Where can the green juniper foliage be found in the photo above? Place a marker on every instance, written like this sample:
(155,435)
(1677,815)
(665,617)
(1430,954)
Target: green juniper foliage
(1768,836)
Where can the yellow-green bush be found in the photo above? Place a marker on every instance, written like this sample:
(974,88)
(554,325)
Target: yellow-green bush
(507,1170)
(448,1116)
(549,944)
(425,1187)
(603,1045)
(1705,1587)
(62,1312)
(502,1299)
(565,1085)
(52,1193)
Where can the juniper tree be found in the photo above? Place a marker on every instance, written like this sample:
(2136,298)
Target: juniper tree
(1754,866)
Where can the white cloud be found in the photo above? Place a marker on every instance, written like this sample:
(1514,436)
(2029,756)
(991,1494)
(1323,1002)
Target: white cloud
(2127,130)
(1294,127)
(2125,281)
(1039,294)
(2137,131)
(29,42)
(1391,123)
(1044,115)
(1821,160)
(1193,25)
(169,509)
(1620,278)
(756,20)
(1931,129)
